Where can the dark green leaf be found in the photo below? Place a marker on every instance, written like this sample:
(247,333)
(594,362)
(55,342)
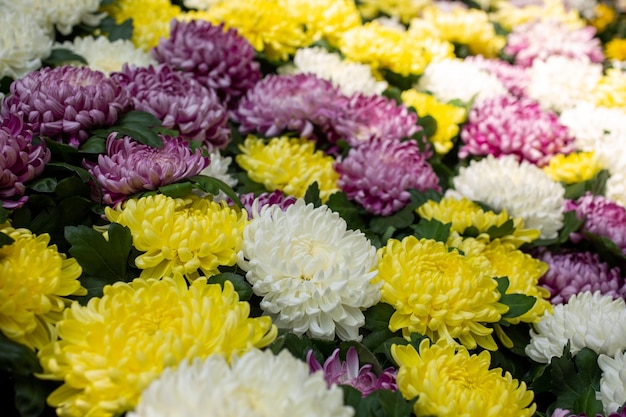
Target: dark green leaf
(143,135)
(4,214)
(115,31)
(60,56)
(432,229)
(350,212)
(429,125)
(5,84)
(71,186)
(94,286)
(60,151)
(214,186)
(398,220)
(44,185)
(312,195)
(503,284)
(572,378)
(588,403)
(505,229)
(394,404)
(177,190)
(385,346)
(363,407)
(17,358)
(518,304)
(5,239)
(239,283)
(604,245)
(82,173)
(95,144)
(418,197)
(31,394)
(378,316)
(596,186)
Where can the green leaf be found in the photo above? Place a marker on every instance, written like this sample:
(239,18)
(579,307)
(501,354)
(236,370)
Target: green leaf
(177,190)
(428,124)
(588,403)
(4,214)
(31,394)
(595,185)
(505,229)
(115,31)
(61,56)
(17,358)
(503,284)
(394,404)
(432,229)
(61,151)
(418,197)
(71,186)
(572,377)
(350,212)
(95,144)
(44,185)
(82,173)
(5,84)
(378,316)
(398,220)
(5,239)
(604,245)
(518,304)
(312,195)
(214,186)
(242,287)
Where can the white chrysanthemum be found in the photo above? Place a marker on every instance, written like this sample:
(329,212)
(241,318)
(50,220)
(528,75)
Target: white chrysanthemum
(106,56)
(595,321)
(313,273)
(350,77)
(200,4)
(523,189)
(22,44)
(613,381)
(559,83)
(451,79)
(586,8)
(591,124)
(218,168)
(258,384)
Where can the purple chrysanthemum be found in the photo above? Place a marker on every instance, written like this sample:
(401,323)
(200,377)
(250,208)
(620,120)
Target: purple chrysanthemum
(515,78)
(349,372)
(298,102)
(507,125)
(20,161)
(541,39)
(218,58)
(130,166)
(575,272)
(379,173)
(179,101)
(252,202)
(65,103)
(603,218)
(559,412)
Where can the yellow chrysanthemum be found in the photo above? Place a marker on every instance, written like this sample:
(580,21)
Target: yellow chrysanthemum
(574,167)
(452,383)
(611,90)
(181,236)
(288,164)
(509,16)
(268,25)
(469,27)
(151,19)
(604,15)
(448,118)
(405,10)
(111,349)
(615,49)
(438,293)
(34,281)
(463,214)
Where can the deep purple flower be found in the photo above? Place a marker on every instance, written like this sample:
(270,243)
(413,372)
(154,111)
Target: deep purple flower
(20,161)
(379,173)
(219,59)
(515,78)
(179,101)
(573,272)
(130,166)
(276,197)
(559,412)
(65,103)
(507,125)
(603,217)
(348,372)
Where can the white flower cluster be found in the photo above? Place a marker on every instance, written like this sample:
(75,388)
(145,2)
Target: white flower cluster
(613,381)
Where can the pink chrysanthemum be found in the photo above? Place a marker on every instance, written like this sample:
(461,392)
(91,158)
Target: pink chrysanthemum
(575,272)
(603,217)
(508,125)
(544,38)
(559,412)
(179,101)
(514,78)
(218,58)
(65,103)
(348,372)
(298,102)
(252,202)
(20,161)
(379,173)
(130,166)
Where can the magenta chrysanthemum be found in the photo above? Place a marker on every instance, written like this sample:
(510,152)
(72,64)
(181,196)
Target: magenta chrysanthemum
(20,161)
(251,202)
(575,272)
(219,59)
(179,101)
(299,102)
(513,77)
(65,103)
(130,166)
(541,39)
(508,125)
(603,217)
(379,173)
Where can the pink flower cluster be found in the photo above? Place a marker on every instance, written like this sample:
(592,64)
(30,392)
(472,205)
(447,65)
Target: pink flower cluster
(253,202)
(513,77)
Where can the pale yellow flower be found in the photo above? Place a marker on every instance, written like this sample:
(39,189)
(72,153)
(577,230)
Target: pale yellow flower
(405,10)
(510,16)
(611,90)
(574,167)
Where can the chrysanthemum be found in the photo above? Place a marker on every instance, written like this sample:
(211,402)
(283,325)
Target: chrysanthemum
(350,77)
(573,168)
(219,59)
(61,15)
(288,164)
(590,320)
(447,116)
(179,101)
(129,166)
(111,349)
(513,77)
(523,189)
(258,383)
(574,272)
(66,103)
(559,412)
(509,15)
(594,126)
(615,49)
(181,236)
(538,40)
(324,278)
(507,125)
(107,56)
(22,44)
(20,161)
(603,217)
(612,382)
(379,174)
(438,293)
(449,382)
(218,168)
(405,10)
(252,202)
(610,90)
(349,372)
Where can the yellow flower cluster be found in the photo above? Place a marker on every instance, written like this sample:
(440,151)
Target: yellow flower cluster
(447,116)
(181,236)
(34,281)
(110,350)
(611,90)
(288,164)
(604,15)
(449,382)
(615,49)
(574,167)
(405,10)
(438,293)
(509,16)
